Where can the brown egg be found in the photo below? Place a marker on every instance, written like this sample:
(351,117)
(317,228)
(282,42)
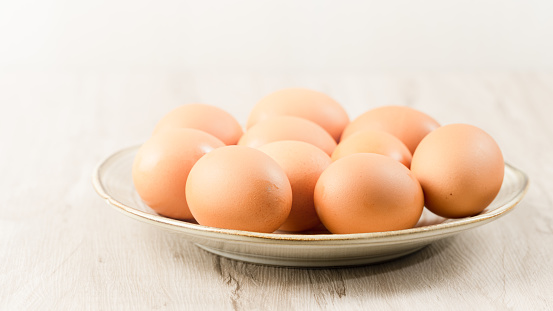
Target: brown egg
(367,141)
(460,168)
(288,128)
(161,167)
(367,192)
(303,163)
(407,124)
(308,104)
(210,119)
(237,187)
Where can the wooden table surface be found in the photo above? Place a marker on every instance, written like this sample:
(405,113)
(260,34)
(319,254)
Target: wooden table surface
(63,248)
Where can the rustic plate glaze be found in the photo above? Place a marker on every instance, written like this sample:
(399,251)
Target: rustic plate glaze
(112,180)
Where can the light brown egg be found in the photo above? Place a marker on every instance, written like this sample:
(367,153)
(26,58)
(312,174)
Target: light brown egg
(460,168)
(237,187)
(367,141)
(161,167)
(288,128)
(367,192)
(210,119)
(308,104)
(303,163)
(405,123)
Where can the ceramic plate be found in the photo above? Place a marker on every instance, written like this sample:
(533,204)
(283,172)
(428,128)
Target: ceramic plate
(112,180)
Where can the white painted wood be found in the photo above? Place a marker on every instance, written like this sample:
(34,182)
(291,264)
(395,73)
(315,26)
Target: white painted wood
(62,247)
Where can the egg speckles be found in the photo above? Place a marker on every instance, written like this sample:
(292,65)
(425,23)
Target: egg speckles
(288,173)
(368,192)
(303,163)
(161,167)
(238,187)
(460,168)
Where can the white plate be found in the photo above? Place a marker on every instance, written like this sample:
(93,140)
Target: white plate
(112,180)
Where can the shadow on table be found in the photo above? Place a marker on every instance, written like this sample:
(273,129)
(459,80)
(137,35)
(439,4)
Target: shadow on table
(429,266)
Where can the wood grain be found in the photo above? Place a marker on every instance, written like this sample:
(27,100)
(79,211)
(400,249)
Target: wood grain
(62,247)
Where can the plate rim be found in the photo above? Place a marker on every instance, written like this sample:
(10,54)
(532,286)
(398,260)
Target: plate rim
(375,237)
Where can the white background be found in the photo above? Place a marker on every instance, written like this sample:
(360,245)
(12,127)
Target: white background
(277,35)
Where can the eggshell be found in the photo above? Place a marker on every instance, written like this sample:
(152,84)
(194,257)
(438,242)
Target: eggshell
(303,163)
(288,128)
(308,104)
(210,119)
(367,192)
(367,141)
(237,187)
(460,168)
(161,167)
(407,124)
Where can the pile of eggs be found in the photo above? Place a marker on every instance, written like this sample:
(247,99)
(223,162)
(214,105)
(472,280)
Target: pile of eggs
(301,162)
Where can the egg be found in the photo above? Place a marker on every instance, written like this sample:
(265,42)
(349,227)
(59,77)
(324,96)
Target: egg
(460,168)
(308,104)
(161,167)
(407,124)
(367,141)
(303,163)
(367,192)
(288,128)
(210,119)
(238,187)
